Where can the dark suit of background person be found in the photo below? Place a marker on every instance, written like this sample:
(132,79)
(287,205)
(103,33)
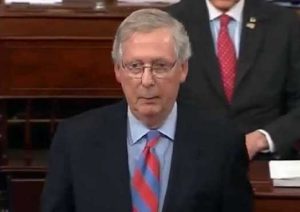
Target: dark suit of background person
(89,168)
(267,89)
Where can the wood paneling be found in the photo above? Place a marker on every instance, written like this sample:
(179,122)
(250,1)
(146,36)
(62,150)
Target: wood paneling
(269,198)
(58,67)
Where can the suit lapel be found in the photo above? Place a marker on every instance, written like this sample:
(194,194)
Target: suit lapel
(253,31)
(185,157)
(202,38)
(117,158)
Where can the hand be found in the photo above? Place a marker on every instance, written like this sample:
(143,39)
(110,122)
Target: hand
(256,142)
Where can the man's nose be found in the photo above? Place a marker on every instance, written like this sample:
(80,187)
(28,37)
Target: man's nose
(147,77)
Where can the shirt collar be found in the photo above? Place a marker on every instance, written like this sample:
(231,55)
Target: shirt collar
(235,12)
(137,129)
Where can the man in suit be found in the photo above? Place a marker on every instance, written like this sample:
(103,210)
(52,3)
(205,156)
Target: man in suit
(266,88)
(101,160)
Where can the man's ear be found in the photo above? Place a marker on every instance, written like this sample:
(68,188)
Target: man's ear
(117,70)
(184,67)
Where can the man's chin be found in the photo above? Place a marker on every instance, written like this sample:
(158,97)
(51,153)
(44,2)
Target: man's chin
(149,110)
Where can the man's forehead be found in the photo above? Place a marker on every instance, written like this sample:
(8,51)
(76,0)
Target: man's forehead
(160,34)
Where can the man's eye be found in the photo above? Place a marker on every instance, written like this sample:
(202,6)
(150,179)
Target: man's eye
(160,66)
(135,65)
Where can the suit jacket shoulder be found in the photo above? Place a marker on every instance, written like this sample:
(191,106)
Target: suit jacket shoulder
(187,10)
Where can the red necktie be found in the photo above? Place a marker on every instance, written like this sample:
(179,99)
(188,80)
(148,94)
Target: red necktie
(227,57)
(145,180)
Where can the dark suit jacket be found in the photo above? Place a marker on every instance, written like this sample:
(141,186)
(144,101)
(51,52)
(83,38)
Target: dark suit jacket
(88,168)
(267,90)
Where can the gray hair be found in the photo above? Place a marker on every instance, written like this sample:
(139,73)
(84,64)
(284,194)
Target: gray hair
(146,20)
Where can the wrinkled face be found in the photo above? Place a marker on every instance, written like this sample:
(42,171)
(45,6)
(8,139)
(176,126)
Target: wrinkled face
(224,5)
(150,98)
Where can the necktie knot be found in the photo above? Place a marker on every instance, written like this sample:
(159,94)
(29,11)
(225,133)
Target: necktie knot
(224,20)
(152,138)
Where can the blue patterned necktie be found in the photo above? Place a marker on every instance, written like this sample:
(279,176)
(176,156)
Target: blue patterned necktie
(145,181)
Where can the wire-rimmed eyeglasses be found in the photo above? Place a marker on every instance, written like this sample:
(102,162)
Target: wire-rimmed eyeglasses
(159,69)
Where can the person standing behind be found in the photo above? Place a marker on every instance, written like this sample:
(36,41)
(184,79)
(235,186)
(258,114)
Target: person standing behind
(246,66)
(150,153)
